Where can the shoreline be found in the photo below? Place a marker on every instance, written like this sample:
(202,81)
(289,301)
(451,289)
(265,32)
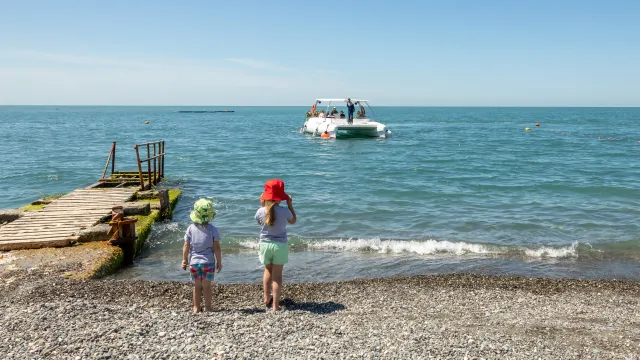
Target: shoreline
(453,315)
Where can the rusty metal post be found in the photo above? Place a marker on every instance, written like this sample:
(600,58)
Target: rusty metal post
(160,157)
(162,173)
(111,153)
(124,233)
(155,178)
(149,166)
(165,205)
(113,159)
(139,167)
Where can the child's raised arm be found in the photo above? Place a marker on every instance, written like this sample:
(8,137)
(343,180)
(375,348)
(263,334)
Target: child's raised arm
(293,212)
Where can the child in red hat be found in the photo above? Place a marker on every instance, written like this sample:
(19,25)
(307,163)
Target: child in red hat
(274,247)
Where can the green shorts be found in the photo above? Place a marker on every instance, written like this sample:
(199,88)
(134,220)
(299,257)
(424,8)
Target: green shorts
(274,253)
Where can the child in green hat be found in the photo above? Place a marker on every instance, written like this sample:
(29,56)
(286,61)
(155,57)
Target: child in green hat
(201,252)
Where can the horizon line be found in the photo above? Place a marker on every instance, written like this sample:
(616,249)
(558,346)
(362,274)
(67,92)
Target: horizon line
(425,106)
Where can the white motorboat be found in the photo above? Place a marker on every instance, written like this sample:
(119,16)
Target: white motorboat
(332,121)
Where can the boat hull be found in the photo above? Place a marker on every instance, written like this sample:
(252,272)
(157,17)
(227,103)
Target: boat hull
(339,127)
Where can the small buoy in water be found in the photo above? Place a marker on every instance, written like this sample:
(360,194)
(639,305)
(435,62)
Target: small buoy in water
(146,122)
(537,124)
(526,129)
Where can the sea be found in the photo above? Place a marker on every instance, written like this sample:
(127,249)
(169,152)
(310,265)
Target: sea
(535,192)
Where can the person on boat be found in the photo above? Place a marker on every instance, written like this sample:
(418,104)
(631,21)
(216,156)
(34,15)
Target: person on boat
(274,246)
(363,112)
(321,114)
(334,111)
(351,109)
(342,115)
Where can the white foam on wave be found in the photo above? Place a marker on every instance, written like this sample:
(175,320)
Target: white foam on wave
(167,226)
(425,247)
(429,247)
(159,234)
(249,244)
(550,252)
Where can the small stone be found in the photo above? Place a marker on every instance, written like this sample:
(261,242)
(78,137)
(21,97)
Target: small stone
(94,233)
(136,208)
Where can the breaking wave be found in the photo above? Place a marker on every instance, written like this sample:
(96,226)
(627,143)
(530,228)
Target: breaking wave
(395,246)
(430,247)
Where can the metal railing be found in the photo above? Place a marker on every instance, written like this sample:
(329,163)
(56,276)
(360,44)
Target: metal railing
(111,158)
(148,177)
(157,156)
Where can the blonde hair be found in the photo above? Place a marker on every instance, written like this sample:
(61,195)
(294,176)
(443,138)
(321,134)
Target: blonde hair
(270,216)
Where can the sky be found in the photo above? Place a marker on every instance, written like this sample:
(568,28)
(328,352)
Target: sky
(405,53)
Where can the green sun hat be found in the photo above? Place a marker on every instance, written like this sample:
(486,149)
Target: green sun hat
(202,211)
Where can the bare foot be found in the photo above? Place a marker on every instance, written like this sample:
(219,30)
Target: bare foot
(209,309)
(196,310)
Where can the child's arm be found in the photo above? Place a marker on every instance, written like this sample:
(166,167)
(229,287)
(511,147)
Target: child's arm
(293,212)
(185,255)
(257,216)
(218,253)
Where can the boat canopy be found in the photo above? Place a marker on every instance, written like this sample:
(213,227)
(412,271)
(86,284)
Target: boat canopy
(329,102)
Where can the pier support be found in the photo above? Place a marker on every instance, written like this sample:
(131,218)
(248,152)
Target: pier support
(165,205)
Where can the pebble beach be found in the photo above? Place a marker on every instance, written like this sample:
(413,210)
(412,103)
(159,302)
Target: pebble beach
(440,316)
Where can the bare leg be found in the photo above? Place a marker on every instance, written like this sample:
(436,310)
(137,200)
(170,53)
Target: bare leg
(197,294)
(276,277)
(266,283)
(207,290)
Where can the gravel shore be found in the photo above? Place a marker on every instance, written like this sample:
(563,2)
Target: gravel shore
(445,316)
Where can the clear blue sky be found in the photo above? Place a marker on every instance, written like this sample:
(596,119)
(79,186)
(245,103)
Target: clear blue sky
(468,52)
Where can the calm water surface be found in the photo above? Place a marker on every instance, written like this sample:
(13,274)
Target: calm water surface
(454,189)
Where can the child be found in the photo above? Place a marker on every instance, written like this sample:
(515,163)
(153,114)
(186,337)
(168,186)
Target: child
(274,247)
(201,251)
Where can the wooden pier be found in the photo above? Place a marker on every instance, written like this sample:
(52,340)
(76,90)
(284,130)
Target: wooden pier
(59,222)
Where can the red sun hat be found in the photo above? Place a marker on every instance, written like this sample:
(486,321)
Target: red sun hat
(274,190)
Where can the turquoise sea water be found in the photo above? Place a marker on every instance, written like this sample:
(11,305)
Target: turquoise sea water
(454,189)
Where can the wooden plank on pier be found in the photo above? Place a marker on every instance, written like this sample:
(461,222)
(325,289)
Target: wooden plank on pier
(59,222)
(36,244)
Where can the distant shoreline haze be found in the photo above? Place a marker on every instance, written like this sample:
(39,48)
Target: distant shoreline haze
(373,105)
